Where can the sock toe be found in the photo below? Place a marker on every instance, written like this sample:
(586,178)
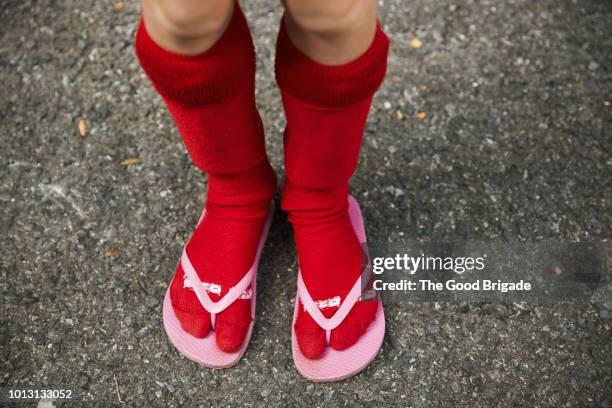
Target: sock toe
(232,325)
(198,325)
(310,336)
(343,338)
(312,345)
(354,325)
(230,336)
(194,319)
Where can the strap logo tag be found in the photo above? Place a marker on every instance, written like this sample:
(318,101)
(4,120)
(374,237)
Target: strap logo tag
(331,302)
(208,287)
(212,288)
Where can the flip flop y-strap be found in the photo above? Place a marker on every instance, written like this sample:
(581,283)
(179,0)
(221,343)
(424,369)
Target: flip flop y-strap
(349,301)
(230,297)
(345,307)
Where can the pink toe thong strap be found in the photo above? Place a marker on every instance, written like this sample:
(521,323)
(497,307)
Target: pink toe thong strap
(345,307)
(230,297)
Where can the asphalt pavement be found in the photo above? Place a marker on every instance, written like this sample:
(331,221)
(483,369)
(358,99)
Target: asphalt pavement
(494,125)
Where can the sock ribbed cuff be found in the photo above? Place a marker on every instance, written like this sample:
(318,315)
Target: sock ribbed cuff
(212,76)
(330,86)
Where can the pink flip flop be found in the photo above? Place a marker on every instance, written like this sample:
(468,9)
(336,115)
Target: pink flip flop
(337,365)
(205,351)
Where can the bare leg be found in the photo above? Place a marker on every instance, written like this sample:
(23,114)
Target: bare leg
(186,26)
(331,32)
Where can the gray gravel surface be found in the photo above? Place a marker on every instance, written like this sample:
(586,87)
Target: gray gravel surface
(515,144)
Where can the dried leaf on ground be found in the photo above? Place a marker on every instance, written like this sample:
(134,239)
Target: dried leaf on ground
(131,162)
(416,43)
(83,128)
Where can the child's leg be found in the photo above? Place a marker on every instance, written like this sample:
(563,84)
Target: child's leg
(187,27)
(331,58)
(331,32)
(200,57)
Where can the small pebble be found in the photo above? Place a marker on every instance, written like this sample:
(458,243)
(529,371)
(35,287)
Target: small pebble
(83,380)
(605,314)
(151,301)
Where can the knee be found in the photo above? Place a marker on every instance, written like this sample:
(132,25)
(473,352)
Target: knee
(190,18)
(323,16)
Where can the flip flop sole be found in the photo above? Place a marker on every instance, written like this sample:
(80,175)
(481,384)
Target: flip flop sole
(336,365)
(205,351)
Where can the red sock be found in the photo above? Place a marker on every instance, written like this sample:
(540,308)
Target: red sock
(211,98)
(326,109)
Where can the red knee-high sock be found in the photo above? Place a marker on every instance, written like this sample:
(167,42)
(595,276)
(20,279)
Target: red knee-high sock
(211,99)
(326,109)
